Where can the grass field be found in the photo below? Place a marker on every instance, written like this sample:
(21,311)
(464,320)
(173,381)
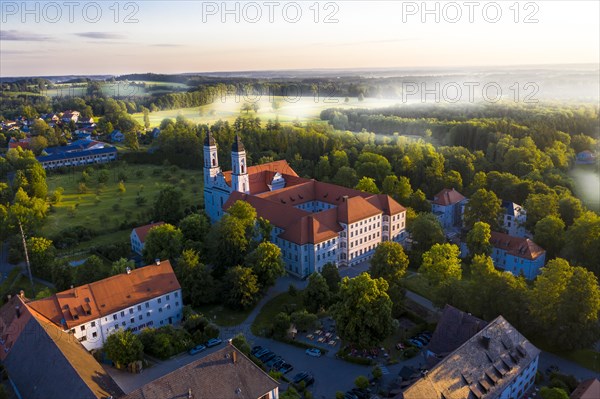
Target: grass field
(115,89)
(104,209)
(223,316)
(267,314)
(301,109)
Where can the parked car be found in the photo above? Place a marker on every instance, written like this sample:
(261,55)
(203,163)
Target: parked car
(285,368)
(313,352)
(427,334)
(267,356)
(213,342)
(261,352)
(299,377)
(255,350)
(350,395)
(277,365)
(400,346)
(197,349)
(271,362)
(416,343)
(360,393)
(421,340)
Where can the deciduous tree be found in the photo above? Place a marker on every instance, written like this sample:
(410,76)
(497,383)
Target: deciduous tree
(163,242)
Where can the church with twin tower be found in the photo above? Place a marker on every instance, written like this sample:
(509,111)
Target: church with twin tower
(314,223)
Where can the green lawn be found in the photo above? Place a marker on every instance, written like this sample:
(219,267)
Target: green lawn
(223,316)
(281,303)
(16,282)
(104,210)
(419,285)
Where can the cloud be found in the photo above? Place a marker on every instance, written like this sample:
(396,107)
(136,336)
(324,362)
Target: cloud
(100,35)
(17,35)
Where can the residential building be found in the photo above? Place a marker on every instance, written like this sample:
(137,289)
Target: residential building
(588,389)
(155,133)
(79,152)
(518,255)
(497,362)
(42,361)
(314,223)
(513,219)
(454,328)
(116,136)
(585,158)
(138,237)
(23,143)
(448,207)
(226,373)
(146,297)
(70,115)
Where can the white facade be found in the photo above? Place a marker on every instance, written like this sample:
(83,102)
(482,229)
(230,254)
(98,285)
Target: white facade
(514,219)
(156,312)
(522,382)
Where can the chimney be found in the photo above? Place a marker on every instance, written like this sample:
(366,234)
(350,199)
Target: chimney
(190,395)
(234,357)
(75,293)
(345,198)
(18,311)
(128,270)
(485,341)
(22,294)
(157,261)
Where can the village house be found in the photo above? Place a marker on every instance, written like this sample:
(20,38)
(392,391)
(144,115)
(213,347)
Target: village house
(517,255)
(146,297)
(448,207)
(116,136)
(138,237)
(314,223)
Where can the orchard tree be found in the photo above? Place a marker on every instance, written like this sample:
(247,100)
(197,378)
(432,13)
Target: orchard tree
(316,296)
(162,242)
(363,314)
(267,264)
(483,206)
(168,206)
(441,264)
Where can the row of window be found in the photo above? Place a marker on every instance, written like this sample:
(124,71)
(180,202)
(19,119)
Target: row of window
(368,238)
(147,306)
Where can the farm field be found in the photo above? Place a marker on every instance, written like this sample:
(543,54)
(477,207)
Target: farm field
(104,208)
(116,89)
(302,109)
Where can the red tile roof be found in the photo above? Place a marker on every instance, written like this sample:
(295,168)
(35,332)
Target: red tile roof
(143,231)
(260,176)
(91,301)
(301,226)
(517,246)
(12,326)
(447,197)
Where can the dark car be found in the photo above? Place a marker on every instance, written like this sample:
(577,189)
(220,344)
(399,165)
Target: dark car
(267,356)
(271,362)
(261,352)
(299,377)
(255,350)
(277,364)
(213,342)
(350,395)
(285,368)
(360,394)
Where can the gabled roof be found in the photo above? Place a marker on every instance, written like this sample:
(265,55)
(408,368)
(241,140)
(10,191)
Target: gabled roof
(480,368)
(516,246)
(447,197)
(80,305)
(45,362)
(143,231)
(227,373)
(454,328)
(354,209)
(512,209)
(313,228)
(588,389)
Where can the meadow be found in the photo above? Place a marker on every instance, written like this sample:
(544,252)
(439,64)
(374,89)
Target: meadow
(104,208)
(116,89)
(300,109)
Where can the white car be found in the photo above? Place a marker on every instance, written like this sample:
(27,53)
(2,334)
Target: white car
(313,352)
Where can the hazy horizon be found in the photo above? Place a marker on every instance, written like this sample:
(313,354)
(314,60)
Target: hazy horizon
(48,39)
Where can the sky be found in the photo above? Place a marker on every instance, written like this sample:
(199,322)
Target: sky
(118,37)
